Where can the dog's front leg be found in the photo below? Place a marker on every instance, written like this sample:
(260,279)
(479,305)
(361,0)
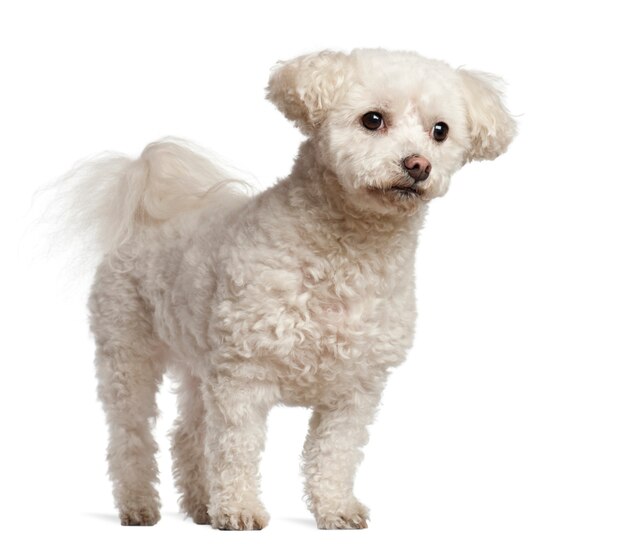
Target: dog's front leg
(236,423)
(332,452)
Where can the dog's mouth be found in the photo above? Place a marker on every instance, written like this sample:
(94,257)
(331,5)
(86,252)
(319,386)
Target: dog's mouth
(414,189)
(401,190)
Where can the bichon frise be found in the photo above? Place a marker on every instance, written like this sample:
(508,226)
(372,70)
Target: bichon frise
(302,295)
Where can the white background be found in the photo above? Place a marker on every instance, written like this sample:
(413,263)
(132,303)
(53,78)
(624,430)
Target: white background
(507,423)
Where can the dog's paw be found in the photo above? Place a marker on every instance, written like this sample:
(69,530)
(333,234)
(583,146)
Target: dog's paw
(143,516)
(240,521)
(200,515)
(350,518)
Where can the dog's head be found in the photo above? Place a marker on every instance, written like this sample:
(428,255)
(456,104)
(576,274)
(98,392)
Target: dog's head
(393,126)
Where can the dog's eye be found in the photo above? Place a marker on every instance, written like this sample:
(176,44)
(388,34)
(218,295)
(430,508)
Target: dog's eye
(373,120)
(440,131)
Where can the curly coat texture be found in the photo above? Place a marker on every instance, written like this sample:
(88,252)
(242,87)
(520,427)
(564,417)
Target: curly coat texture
(301,295)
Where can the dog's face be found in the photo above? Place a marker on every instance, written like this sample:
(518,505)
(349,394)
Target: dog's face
(392,126)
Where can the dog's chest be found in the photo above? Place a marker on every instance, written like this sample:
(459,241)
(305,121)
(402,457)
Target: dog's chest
(360,322)
(320,320)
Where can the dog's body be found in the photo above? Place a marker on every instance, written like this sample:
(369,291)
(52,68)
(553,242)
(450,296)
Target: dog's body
(301,295)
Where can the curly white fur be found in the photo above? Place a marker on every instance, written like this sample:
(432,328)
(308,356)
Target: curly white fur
(301,295)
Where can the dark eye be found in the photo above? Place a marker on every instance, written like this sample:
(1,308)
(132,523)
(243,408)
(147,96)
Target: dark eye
(373,120)
(440,131)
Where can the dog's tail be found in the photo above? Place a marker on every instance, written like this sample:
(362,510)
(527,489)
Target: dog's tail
(110,199)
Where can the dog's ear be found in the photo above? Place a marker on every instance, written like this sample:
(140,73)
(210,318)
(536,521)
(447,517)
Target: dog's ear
(491,125)
(304,88)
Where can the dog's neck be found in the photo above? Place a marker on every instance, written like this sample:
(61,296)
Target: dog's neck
(319,186)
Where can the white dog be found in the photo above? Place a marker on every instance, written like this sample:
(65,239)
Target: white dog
(301,295)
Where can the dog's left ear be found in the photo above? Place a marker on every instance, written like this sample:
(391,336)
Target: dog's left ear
(304,88)
(491,125)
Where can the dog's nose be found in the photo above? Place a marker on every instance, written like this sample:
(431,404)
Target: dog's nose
(417,167)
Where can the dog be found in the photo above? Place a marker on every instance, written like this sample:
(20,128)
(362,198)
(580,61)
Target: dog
(301,295)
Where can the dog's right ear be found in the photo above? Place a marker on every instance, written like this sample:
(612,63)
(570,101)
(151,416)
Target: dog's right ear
(304,88)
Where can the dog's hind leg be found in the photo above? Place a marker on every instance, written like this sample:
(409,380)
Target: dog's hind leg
(130,369)
(188,449)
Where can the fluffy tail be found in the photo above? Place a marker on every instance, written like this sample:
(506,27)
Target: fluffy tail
(112,197)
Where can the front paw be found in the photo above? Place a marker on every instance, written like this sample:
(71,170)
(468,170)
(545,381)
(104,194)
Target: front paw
(227,519)
(145,515)
(353,517)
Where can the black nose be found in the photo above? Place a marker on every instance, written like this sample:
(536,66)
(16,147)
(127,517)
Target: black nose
(417,167)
